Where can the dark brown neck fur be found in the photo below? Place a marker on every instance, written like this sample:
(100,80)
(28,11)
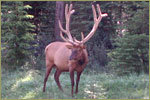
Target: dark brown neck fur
(81,61)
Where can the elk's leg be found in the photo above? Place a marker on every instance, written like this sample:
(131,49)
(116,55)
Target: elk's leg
(48,70)
(72,79)
(77,81)
(56,76)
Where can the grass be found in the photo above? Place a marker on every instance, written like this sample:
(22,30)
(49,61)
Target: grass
(28,84)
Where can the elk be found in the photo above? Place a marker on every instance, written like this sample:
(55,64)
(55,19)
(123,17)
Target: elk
(70,55)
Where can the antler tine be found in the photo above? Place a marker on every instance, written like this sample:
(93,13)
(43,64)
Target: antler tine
(61,28)
(96,22)
(82,36)
(68,12)
(94,13)
(99,11)
(76,41)
(61,35)
(67,17)
(70,8)
(66,39)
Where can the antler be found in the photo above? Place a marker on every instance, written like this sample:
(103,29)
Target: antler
(67,31)
(96,23)
(68,13)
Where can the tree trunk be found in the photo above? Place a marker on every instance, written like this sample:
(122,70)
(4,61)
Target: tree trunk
(59,15)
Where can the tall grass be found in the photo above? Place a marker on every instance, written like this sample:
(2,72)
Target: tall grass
(28,84)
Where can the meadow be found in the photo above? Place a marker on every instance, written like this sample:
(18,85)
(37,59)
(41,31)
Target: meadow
(28,84)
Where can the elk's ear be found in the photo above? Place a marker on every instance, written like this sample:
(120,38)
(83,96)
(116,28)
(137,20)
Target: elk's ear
(69,46)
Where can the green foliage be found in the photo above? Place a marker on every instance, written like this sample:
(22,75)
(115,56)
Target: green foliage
(132,42)
(28,84)
(44,20)
(138,21)
(131,54)
(17,33)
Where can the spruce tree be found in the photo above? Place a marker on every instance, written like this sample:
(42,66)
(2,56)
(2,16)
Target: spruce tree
(131,52)
(17,33)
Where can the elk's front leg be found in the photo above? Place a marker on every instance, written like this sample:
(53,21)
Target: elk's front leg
(77,81)
(72,79)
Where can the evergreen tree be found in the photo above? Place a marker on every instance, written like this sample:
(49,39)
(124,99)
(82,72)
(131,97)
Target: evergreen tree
(138,18)
(131,52)
(17,32)
(44,20)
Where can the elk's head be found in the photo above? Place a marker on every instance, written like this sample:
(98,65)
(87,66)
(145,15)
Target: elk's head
(77,51)
(77,46)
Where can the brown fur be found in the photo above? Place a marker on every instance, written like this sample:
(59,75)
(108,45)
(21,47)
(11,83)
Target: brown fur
(57,55)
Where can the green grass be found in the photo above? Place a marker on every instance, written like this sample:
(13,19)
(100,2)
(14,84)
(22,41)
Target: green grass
(28,85)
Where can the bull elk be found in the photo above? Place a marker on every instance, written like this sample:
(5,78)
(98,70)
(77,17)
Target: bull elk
(70,55)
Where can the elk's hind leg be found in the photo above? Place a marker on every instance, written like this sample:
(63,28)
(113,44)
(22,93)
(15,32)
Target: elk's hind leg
(49,66)
(56,76)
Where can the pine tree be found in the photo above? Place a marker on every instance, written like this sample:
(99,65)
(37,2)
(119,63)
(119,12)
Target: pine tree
(17,32)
